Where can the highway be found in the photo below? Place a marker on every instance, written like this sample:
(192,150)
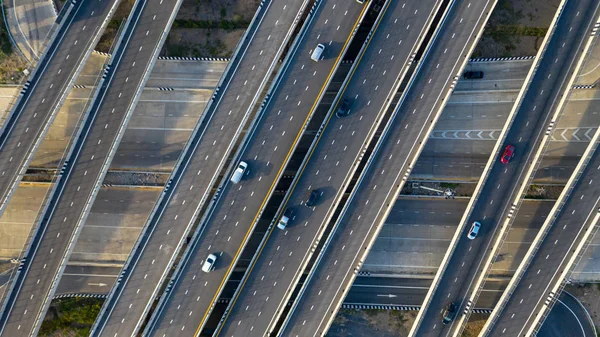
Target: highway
(536,289)
(82,24)
(199,166)
(499,191)
(85,167)
(228,224)
(394,156)
(280,262)
(417,233)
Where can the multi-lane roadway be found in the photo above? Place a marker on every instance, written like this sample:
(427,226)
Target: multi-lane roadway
(229,223)
(385,174)
(494,200)
(190,185)
(329,167)
(536,290)
(81,25)
(85,167)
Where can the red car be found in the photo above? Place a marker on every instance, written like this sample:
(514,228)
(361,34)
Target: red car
(509,152)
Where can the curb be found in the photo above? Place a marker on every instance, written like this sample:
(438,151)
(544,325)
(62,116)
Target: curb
(587,86)
(79,295)
(171,58)
(496,59)
(398,307)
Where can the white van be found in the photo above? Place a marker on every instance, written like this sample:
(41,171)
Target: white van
(239,172)
(317,54)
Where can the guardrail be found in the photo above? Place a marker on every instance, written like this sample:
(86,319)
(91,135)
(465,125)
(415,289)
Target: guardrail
(360,156)
(193,143)
(563,280)
(16,102)
(552,216)
(306,159)
(501,237)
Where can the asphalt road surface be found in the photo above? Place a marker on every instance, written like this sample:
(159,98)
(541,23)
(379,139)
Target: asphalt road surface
(418,231)
(76,190)
(195,174)
(270,282)
(494,201)
(230,222)
(324,291)
(550,262)
(30,118)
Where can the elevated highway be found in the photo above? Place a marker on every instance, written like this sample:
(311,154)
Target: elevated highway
(394,156)
(95,144)
(205,155)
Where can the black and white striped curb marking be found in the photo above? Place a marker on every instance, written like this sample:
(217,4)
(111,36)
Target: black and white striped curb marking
(101,53)
(25,87)
(399,307)
(174,58)
(595,29)
(78,86)
(166,88)
(496,59)
(79,295)
(587,86)
(550,298)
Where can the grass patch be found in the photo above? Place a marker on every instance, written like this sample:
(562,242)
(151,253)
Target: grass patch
(12,63)
(237,23)
(499,31)
(71,316)
(214,48)
(111,30)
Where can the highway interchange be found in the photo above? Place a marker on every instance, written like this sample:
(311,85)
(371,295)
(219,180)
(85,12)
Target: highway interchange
(235,296)
(501,186)
(84,169)
(263,295)
(237,209)
(391,162)
(173,218)
(81,26)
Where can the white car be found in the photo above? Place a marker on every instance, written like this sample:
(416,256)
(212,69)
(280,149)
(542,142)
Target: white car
(283,222)
(474,230)
(238,174)
(209,263)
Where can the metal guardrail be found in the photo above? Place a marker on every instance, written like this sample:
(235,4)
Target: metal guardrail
(553,297)
(189,149)
(554,212)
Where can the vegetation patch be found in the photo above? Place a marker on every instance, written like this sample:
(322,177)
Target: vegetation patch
(71,317)
(12,63)
(236,23)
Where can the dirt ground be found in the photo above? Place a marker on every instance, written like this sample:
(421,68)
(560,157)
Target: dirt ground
(381,323)
(530,18)
(198,42)
(216,10)
(589,295)
(209,42)
(474,325)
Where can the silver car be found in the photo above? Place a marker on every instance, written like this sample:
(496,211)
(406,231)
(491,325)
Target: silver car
(474,230)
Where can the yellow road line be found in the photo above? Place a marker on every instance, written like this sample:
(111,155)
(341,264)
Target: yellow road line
(271,188)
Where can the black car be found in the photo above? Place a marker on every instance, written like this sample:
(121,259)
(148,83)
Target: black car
(470,75)
(344,108)
(312,199)
(450,313)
